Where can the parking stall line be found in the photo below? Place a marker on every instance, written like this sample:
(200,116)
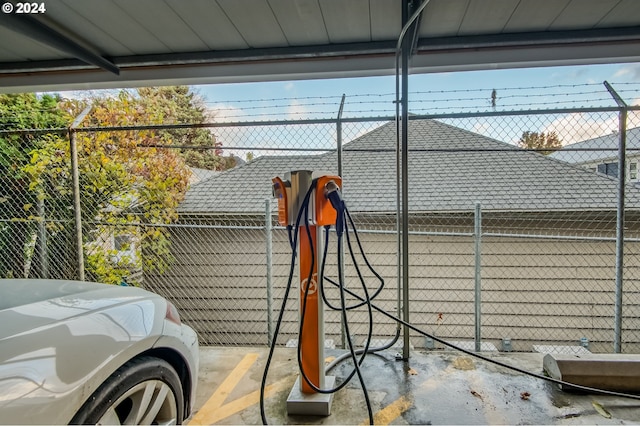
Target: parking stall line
(216,401)
(390,412)
(215,408)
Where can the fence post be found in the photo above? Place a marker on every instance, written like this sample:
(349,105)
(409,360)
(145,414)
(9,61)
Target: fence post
(77,212)
(42,237)
(343,336)
(75,174)
(622,174)
(477,237)
(269,239)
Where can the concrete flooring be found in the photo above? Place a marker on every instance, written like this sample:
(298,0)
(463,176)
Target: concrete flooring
(432,387)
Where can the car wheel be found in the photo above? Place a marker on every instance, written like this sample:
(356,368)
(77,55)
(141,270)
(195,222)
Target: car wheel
(144,391)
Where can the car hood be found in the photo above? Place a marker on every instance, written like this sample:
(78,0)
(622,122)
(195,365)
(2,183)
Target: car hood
(26,305)
(59,340)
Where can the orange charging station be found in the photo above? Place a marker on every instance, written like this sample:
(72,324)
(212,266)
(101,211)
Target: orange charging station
(290,192)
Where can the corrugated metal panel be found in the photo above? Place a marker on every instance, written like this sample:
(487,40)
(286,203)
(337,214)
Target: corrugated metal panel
(443,17)
(627,12)
(347,22)
(583,14)
(487,17)
(386,19)
(210,23)
(111,19)
(165,25)
(255,21)
(84,19)
(301,21)
(534,15)
(124,29)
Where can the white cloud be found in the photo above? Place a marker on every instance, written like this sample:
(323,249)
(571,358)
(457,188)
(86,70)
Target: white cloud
(289,86)
(630,70)
(481,127)
(578,127)
(220,112)
(297,111)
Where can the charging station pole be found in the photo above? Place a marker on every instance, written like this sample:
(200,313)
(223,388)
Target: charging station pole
(303,399)
(312,338)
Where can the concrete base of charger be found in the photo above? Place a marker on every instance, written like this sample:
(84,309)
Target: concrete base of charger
(310,404)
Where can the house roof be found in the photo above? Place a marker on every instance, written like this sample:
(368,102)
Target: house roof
(596,149)
(198,174)
(450,169)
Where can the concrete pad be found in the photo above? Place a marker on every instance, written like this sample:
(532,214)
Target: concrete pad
(328,343)
(432,387)
(315,404)
(615,372)
(471,346)
(561,349)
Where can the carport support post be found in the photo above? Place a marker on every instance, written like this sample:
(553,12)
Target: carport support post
(622,174)
(404,149)
(478,271)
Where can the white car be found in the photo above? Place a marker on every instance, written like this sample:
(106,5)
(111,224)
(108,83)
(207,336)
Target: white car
(85,353)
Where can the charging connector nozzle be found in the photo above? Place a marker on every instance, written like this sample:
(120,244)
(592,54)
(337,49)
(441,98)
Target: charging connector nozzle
(332,193)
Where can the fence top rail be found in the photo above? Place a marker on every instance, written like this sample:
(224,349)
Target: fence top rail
(259,123)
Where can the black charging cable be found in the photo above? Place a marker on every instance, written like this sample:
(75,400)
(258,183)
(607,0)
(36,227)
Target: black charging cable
(356,362)
(293,239)
(490,360)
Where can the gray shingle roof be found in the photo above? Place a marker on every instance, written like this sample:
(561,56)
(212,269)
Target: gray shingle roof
(608,144)
(449,170)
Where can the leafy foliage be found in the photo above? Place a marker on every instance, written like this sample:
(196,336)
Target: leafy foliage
(18,203)
(178,105)
(131,182)
(547,142)
(126,179)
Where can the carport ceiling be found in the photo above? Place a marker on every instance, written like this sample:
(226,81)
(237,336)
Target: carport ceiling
(81,44)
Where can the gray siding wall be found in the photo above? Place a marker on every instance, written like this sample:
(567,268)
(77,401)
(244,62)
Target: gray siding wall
(534,291)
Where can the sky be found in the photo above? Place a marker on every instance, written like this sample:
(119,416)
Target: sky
(233,95)
(436,93)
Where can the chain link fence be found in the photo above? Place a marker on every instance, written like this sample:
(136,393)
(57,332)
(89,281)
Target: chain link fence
(509,246)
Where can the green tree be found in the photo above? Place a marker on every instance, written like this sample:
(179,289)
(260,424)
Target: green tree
(20,207)
(179,105)
(124,179)
(547,142)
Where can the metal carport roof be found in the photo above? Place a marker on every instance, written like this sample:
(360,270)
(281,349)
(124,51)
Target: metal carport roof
(81,44)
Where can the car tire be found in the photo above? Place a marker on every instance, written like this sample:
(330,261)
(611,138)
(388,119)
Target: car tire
(145,390)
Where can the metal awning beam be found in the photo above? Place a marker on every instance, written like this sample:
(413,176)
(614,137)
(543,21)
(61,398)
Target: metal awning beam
(382,48)
(37,30)
(414,32)
(442,54)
